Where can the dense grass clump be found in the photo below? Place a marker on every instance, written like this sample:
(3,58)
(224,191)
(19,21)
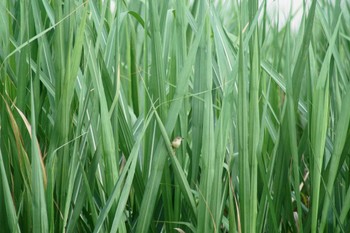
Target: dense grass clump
(92,94)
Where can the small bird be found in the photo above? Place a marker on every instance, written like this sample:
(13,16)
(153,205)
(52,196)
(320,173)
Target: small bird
(176,142)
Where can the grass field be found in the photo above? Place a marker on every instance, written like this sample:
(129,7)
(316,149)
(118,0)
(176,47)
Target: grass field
(91,97)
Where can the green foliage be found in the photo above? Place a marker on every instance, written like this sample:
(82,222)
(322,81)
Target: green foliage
(91,97)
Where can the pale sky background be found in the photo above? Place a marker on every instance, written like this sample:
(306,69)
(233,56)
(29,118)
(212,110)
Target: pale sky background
(276,9)
(280,9)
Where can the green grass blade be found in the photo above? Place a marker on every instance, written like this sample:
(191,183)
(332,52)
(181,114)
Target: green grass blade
(12,220)
(40,221)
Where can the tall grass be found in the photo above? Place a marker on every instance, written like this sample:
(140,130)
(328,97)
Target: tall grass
(91,97)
